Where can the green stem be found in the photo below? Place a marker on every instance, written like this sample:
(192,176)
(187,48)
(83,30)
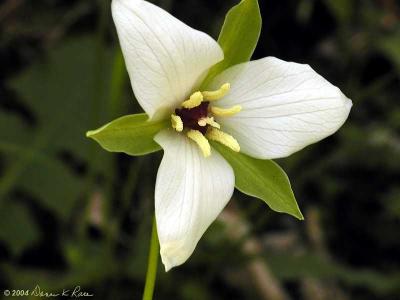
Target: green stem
(152,264)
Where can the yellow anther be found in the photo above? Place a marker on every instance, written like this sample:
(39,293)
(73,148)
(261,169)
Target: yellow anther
(201,141)
(218,94)
(226,112)
(177,123)
(223,138)
(208,121)
(194,100)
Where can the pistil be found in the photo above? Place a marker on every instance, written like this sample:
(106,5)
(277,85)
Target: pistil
(208,121)
(191,116)
(195,118)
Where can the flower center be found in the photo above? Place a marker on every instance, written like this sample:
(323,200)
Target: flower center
(192,117)
(195,118)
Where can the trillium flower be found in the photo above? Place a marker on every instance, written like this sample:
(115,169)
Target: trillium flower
(266,109)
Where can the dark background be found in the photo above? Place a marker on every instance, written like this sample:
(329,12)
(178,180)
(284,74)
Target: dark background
(72,214)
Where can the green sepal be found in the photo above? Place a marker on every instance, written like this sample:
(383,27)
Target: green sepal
(239,36)
(131,134)
(263,179)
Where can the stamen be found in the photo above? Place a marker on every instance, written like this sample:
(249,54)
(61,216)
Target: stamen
(194,101)
(208,121)
(176,123)
(201,141)
(226,112)
(223,138)
(218,94)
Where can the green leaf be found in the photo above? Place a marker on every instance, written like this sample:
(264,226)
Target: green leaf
(286,266)
(45,178)
(263,179)
(18,229)
(132,134)
(341,9)
(239,36)
(42,159)
(390,46)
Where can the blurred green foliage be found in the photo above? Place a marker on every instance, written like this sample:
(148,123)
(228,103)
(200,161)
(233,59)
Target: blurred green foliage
(72,214)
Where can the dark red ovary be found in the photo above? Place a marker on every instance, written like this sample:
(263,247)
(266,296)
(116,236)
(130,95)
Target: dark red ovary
(191,116)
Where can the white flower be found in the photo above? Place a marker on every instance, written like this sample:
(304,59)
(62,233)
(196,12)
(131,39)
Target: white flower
(267,109)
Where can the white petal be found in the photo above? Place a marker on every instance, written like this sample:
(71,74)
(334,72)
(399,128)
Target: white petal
(190,193)
(165,58)
(285,107)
